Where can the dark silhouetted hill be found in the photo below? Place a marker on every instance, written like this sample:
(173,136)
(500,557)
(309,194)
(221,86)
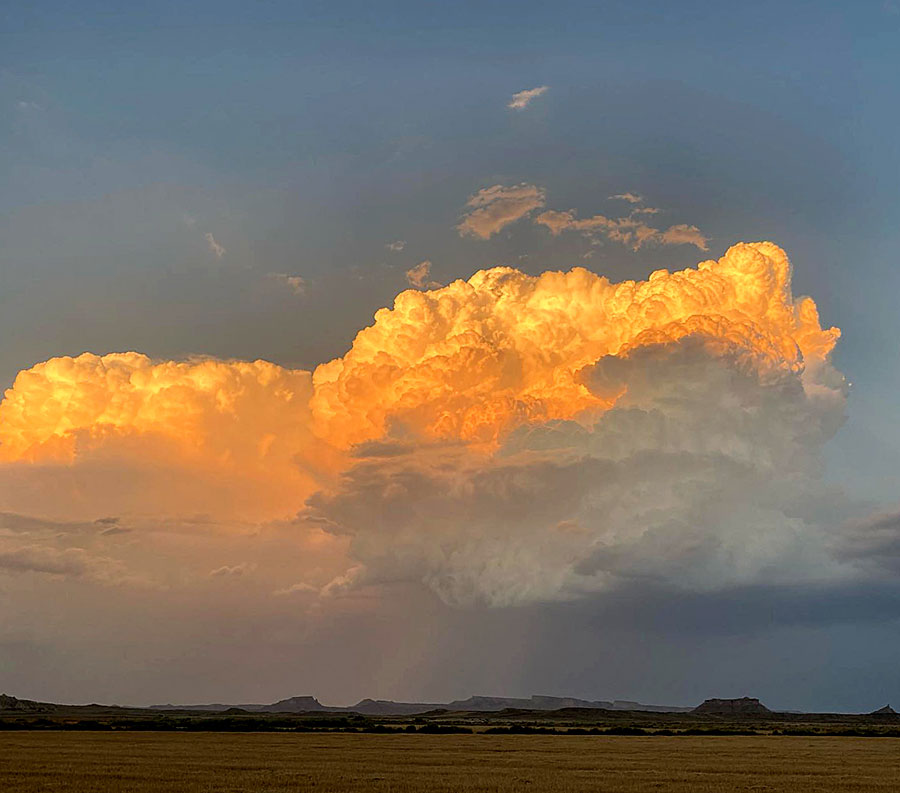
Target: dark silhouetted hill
(8,704)
(744,706)
(380,707)
(290,705)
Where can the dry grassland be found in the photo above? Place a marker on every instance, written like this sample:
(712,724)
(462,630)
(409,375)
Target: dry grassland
(131,762)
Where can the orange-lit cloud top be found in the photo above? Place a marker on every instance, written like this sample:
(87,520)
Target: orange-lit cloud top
(504,439)
(225,438)
(229,411)
(468,361)
(476,358)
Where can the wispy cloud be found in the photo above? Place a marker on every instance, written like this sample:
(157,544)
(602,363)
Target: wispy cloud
(631,230)
(493,208)
(396,245)
(215,248)
(230,571)
(631,198)
(522,99)
(298,589)
(293,282)
(636,202)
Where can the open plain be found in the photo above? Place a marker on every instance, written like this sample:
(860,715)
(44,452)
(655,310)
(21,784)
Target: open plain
(133,762)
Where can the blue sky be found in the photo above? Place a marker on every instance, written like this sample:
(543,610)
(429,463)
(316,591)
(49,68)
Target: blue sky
(305,137)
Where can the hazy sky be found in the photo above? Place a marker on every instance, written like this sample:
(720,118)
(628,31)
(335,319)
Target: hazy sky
(665,494)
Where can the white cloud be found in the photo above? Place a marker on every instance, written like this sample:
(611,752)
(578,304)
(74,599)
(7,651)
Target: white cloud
(686,451)
(522,99)
(293,282)
(215,248)
(396,245)
(493,208)
(700,478)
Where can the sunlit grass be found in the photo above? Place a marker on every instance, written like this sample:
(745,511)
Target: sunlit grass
(276,763)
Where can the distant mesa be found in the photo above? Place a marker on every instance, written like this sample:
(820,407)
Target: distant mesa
(887,710)
(743,706)
(8,703)
(290,705)
(381,707)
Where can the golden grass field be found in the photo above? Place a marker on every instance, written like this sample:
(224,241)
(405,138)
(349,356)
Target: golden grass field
(272,763)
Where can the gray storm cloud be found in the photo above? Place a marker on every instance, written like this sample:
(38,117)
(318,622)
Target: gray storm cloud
(705,474)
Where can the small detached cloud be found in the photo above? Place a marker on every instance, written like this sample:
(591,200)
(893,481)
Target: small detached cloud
(215,248)
(297,589)
(230,571)
(522,99)
(683,234)
(420,276)
(631,198)
(636,202)
(493,208)
(396,246)
(293,282)
(631,230)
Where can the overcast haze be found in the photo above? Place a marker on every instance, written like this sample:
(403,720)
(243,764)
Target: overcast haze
(512,483)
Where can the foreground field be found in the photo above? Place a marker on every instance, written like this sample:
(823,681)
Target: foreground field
(272,763)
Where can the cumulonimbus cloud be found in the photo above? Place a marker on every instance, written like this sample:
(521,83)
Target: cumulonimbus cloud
(493,208)
(505,439)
